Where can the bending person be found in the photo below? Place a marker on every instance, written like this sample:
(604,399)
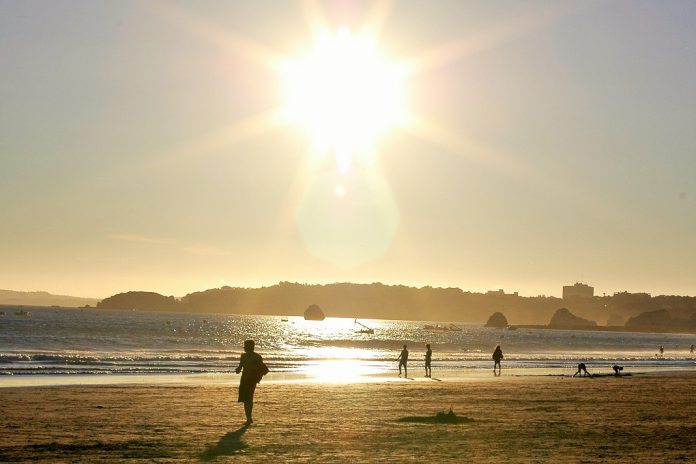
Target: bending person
(582,370)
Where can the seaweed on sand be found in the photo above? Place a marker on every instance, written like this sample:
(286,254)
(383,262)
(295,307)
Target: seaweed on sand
(441,417)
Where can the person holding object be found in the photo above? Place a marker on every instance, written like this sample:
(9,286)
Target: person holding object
(252,367)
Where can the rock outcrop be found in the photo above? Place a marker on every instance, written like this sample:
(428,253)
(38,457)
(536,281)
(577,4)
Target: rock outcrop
(653,320)
(314,313)
(497,320)
(564,319)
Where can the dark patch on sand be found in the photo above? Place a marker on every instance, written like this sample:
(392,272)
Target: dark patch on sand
(123,449)
(439,418)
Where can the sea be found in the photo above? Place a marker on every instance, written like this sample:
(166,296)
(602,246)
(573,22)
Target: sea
(41,346)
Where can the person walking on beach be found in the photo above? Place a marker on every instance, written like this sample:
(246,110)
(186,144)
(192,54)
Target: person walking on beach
(403,361)
(428,360)
(582,370)
(662,350)
(692,348)
(252,367)
(497,356)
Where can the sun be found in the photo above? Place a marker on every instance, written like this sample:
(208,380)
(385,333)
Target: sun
(345,92)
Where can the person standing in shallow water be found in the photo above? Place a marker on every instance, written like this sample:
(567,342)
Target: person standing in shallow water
(497,356)
(252,367)
(403,361)
(428,360)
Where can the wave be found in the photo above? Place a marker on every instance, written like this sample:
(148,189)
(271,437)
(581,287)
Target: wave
(299,360)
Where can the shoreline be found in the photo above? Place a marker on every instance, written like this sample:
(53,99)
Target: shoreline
(192,380)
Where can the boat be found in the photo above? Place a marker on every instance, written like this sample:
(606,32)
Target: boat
(284,319)
(454,328)
(364,329)
(21,312)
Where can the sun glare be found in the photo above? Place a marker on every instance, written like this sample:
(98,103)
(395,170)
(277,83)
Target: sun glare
(344,92)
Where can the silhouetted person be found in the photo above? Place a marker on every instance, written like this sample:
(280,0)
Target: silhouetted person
(497,356)
(617,370)
(403,361)
(692,348)
(428,360)
(662,350)
(252,367)
(582,370)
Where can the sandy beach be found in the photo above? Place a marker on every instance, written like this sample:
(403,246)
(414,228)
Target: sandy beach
(642,418)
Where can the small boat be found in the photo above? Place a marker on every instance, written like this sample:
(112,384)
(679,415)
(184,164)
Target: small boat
(365,329)
(284,319)
(454,328)
(21,312)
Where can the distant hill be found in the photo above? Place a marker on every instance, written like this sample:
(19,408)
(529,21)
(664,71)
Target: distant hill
(375,300)
(11,297)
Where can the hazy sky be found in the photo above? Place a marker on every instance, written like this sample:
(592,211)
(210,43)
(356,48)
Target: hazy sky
(556,143)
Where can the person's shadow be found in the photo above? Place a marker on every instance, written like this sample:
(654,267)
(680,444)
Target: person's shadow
(231,443)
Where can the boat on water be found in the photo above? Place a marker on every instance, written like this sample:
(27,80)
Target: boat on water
(284,319)
(21,312)
(363,328)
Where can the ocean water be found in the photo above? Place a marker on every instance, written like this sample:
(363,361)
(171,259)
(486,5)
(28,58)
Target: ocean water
(74,342)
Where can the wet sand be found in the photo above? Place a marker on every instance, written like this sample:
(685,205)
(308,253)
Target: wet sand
(643,418)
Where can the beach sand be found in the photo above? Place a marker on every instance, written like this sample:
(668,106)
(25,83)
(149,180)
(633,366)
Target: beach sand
(643,418)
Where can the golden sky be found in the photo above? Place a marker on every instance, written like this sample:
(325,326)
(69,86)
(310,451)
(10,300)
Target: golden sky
(178,146)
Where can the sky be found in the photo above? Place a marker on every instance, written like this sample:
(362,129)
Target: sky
(545,143)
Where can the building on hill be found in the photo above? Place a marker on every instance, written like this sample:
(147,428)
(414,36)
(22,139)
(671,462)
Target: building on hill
(500,292)
(577,290)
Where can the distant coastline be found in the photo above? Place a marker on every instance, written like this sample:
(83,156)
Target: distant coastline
(641,311)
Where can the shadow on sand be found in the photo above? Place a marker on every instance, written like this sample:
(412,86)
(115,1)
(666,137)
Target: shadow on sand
(439,418)
(231,443)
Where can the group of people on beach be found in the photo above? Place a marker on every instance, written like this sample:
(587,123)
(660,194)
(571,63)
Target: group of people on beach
(252,368)
(403,360)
